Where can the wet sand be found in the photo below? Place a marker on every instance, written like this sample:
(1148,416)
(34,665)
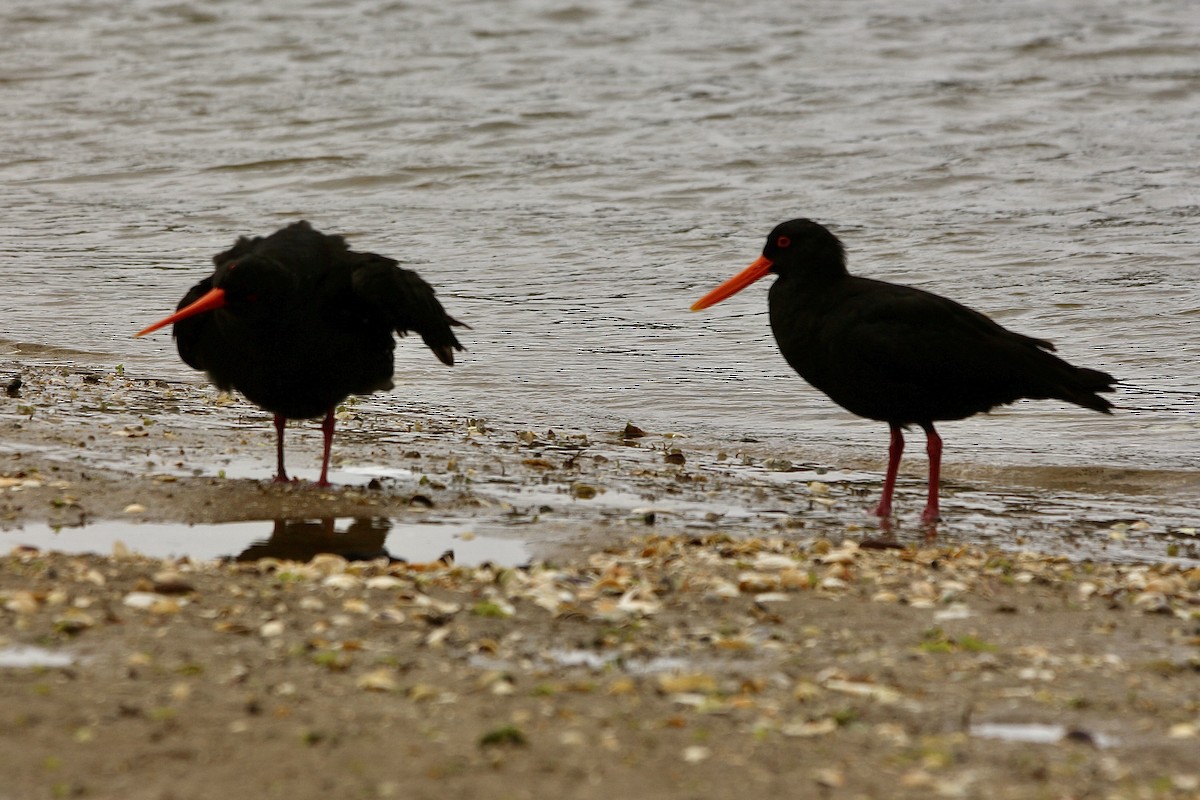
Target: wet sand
(697,618)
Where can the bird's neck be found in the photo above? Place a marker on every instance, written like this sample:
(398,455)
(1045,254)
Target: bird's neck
(816,276)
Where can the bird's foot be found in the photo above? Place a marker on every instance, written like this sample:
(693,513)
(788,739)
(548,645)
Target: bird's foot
(930,518)
(283,478)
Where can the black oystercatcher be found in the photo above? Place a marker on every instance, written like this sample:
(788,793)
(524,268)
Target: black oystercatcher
(898,354)
(297,322)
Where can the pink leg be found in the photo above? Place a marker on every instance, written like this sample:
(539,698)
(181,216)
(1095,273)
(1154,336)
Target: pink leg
(327,429)
(895,450)
(280,472)
(933,446)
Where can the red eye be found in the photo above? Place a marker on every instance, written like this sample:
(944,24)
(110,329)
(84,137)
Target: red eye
(783,241)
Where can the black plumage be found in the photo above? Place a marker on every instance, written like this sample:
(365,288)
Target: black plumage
(899,354)
(297,322)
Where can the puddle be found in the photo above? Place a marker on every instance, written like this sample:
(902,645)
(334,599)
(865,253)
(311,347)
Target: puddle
(23,656)
(293,539)
(598,661)
(1036,733)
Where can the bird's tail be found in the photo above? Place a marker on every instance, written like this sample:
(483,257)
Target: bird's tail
(1082,386)
(439,337)
(407,302)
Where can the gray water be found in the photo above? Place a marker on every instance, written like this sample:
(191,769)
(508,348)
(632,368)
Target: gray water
(572,176)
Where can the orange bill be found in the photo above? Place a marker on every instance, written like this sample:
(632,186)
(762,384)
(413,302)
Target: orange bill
(213,300)
(735,284)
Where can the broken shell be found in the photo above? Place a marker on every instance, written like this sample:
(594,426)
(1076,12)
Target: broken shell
(423,691)
(342,581)
(1184,730)
(795,579)
(769,561)
(757,582)
(844,554)
(328,563)
(73,621)
(271,629)
(171,582)
(22,602)
(384,582)
(356,606)
(379,680)
(689,683)
(152,602)
(881,694)
(809,729)
(804,691)
(830,778)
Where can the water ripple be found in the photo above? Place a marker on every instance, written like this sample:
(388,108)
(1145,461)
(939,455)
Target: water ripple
(572,176)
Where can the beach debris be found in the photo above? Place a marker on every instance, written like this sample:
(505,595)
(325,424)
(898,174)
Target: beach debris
(807,729)
(583,491)
(171,582)
(504,735)
(153,602)
(73,620)
(378,680)
(632,432)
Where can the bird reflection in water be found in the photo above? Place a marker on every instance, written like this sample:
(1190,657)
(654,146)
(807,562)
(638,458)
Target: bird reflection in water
(302,539)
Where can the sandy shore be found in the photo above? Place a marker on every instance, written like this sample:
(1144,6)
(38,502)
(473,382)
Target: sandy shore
(696,619)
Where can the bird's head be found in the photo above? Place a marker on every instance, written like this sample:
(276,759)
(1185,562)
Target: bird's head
(254,284)
(249,287)
(799,247)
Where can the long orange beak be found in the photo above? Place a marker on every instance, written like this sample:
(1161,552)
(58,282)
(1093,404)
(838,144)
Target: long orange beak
(735,284)
(213,300)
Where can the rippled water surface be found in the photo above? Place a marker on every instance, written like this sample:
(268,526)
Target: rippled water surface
(572,176)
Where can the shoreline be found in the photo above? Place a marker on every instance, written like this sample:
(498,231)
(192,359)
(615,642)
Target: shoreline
(79,446)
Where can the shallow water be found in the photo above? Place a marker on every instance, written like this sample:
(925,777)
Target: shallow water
(572,177)
(1037,733)
(29,657)
(510,496)
(291,539)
